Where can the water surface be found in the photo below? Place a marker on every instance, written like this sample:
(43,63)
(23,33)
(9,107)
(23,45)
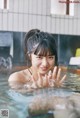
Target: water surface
(18,103)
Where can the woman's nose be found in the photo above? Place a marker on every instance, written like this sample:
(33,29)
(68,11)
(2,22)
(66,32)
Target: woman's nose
(44,62)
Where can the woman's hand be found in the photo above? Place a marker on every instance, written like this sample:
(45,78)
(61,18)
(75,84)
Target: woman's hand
(51,79)
(56,77)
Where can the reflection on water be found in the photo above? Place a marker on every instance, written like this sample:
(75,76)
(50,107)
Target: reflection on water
(44,103)
(73,82)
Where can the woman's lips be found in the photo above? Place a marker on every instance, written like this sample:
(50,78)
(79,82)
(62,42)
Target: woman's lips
(44,68)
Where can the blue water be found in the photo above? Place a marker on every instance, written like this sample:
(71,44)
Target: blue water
(17,103)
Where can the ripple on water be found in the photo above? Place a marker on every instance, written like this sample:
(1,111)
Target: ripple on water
(18,102)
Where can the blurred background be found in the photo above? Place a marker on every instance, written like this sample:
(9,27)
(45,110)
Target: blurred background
(58,17)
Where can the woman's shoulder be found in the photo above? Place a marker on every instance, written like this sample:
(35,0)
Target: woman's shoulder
(15,76)
(19,76)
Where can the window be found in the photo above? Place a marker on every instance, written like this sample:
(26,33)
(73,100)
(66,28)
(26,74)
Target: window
(4,4)
(62,7)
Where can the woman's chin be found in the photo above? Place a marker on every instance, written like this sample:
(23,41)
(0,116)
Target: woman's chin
(43,72)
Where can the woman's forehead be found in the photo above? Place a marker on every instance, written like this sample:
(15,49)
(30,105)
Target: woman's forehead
(42,53)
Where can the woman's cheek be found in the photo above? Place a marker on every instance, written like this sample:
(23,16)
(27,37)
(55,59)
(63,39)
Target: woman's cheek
(36,63)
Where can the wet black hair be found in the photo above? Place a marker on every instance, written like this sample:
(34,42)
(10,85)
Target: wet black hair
(28,35)
(40,43)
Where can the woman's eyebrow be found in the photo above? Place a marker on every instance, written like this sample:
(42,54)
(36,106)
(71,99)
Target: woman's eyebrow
(45,55)
(51,55)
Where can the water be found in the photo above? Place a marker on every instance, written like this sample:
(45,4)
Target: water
(44,103)
(73,82)
(15,102)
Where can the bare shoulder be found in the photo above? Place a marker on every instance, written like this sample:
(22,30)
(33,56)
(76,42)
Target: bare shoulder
(18,79)
(20,76)
(15,76)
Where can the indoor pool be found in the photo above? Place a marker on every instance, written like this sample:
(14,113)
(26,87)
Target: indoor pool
(44,103)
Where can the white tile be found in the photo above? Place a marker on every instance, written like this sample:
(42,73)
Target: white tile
(48,26)
(34,8)
(78,26)
(10,21)
(78,11)
(30,6)
(70,26)
(44,10)
(38,21)
(21,5)
(48,7)
(1,20)
(26,6)
(11,5)
(74,26)
(66,25)
(26,22)
(20,22)
(62,25)
(30,21)
(58,25)
(15,22)
(5,21)
(43,23)
(16,5)
(53,25)
(34,21)
(39,6)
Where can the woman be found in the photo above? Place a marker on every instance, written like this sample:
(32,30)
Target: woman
(43,72)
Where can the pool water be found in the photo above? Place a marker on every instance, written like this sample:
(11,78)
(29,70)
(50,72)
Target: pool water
(15,102)
(29,104)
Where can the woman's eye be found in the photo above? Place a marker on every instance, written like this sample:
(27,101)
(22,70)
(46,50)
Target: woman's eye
(39,57)
(51,57)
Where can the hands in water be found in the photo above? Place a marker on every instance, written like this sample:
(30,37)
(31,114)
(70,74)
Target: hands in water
(51,79)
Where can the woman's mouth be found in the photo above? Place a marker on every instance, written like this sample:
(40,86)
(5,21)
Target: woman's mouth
(44,68)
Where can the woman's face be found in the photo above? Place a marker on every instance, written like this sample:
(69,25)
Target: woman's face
(42,64)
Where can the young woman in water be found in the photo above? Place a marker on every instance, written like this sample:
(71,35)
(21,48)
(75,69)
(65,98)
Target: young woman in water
(43,72)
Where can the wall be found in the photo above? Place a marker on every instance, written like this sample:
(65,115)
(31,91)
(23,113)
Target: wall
(24,15)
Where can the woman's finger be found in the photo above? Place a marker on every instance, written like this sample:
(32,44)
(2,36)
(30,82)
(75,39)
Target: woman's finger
(58,74)
(50,79)
(45,81)
(50,75)
(54,73)
(63,78)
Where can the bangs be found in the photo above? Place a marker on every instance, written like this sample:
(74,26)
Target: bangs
(44,49)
